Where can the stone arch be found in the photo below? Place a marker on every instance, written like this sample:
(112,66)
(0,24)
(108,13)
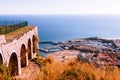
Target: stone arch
(23,56)
(13,64)
(29,49)
(1,59)
(34,41)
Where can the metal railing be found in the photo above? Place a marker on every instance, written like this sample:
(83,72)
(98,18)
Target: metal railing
(10,26)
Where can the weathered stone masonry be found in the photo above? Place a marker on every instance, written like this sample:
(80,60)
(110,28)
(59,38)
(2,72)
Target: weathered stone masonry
(17,52)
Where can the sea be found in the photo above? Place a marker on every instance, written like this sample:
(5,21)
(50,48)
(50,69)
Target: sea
(67,27)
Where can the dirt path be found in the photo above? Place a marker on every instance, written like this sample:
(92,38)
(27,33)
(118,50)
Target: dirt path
(30,72)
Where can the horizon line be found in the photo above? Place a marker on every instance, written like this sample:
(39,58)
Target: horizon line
(63,14)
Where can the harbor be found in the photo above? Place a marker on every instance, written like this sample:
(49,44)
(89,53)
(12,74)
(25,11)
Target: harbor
(94,50)
(93,43)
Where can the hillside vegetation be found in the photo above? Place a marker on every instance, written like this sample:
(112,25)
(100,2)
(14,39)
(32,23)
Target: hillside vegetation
(72,70)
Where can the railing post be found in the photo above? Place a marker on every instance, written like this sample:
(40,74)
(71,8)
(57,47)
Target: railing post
(6,27)
(26,23)
(0,31)
(20,25)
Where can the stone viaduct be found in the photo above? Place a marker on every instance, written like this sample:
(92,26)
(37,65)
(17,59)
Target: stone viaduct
(16,50)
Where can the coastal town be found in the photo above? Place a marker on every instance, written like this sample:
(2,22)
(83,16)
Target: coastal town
(101,52)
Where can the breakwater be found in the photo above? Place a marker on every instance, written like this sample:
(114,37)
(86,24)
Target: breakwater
(52,46)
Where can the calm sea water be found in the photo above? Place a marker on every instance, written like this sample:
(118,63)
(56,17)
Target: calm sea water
(65,27)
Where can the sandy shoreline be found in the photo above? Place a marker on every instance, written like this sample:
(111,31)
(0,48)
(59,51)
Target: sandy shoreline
(65,55)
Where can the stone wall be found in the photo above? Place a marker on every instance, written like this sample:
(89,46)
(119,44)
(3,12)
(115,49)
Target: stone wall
(7,49)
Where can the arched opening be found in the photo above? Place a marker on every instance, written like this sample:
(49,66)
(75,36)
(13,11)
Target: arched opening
(35,42)
(29,49)
(23,56)
(13,64)
(1,59)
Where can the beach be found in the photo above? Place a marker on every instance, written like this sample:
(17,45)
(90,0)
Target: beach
(65,55)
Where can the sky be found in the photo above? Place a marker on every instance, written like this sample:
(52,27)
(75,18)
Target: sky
(60,7)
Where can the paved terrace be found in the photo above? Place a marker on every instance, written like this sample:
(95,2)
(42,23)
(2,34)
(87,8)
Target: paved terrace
(17,47)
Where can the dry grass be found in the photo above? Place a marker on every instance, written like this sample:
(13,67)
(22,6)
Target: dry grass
(74,70)
(16,34)
(5,73)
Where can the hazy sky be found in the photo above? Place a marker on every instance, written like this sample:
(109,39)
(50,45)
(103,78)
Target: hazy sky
(59,6)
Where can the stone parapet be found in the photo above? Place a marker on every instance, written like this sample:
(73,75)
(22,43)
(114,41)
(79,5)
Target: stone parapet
(2,39)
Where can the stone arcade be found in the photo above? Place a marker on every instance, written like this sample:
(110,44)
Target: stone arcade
(16,53)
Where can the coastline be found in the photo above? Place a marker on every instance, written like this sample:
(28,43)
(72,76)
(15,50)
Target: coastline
(93,49)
